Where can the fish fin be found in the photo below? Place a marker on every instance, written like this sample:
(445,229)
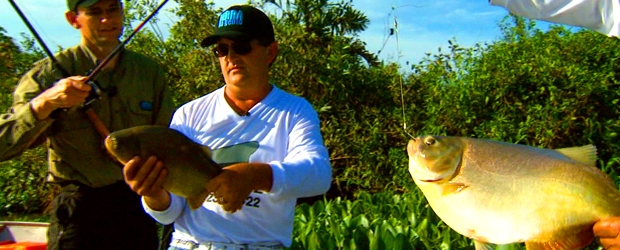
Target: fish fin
(207,151)
(453,187)
(479,245)
(483,245)
(584,154)
(575,241)
(197,201)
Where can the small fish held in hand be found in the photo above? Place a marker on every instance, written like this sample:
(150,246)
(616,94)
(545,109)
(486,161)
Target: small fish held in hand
(189,164)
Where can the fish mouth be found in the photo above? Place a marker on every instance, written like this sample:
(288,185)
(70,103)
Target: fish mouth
(445,174)
(108,143)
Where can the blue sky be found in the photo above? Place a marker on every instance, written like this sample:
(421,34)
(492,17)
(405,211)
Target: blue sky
(423,25)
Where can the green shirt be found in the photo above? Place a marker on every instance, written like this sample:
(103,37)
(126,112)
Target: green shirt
(75,148)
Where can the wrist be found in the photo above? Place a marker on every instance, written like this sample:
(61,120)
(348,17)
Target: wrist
(159,202)
(40,108)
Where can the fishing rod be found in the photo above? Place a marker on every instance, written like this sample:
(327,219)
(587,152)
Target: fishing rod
(92,116)
(39,40)
(96,90)
(118,47)
(101,128)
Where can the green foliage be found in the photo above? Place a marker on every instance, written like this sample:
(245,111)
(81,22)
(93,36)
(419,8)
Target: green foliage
(22,184)
(14,61)
(548,89)
(316,60)
(385,220)
(355,99)
(192,70)
(36,217)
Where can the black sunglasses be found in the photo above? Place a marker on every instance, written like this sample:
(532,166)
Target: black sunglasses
(240,48)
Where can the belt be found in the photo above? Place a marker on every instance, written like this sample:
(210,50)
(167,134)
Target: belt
(190,245)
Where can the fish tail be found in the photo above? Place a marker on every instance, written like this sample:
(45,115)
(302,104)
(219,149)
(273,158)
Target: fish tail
(196,201)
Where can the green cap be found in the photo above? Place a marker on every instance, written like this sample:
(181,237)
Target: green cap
(242,22)
(73,4)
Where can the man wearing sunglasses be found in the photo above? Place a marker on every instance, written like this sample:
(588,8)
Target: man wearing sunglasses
(269,140)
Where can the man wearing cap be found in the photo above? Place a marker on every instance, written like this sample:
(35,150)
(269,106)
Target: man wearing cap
(268,140)
(95,209)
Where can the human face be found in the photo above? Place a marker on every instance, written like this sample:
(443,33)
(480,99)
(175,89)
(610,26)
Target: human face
(100,24)
(248,68)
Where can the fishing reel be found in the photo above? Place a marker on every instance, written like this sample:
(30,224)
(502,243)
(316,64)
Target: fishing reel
(95,93)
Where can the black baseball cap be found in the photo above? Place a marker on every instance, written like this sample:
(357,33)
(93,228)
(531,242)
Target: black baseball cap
(242,23)
(73,4)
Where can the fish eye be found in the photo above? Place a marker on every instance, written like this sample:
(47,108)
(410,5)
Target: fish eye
(430,141)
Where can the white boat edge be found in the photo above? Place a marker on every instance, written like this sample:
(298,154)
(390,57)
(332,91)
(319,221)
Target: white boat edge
(23,231)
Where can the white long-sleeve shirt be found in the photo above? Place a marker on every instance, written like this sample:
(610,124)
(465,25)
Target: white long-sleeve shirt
(602,16)
(282,130)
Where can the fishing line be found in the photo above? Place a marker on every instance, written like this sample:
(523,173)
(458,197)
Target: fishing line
(400,78)
(118,47)
(157,31)
(394,31)
(38,38)
(39,29)
(387,23)
(387,38)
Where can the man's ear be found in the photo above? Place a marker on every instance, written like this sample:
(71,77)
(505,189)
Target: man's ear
(71,17)
(272,52)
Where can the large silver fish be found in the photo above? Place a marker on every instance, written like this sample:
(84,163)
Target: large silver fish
(189,164)
(503,193)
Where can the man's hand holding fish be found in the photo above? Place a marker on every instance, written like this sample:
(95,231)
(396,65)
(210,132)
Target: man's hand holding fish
(148,181)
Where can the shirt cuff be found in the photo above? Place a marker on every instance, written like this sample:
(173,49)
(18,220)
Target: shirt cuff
(161,216)
(27,119)
(277,171)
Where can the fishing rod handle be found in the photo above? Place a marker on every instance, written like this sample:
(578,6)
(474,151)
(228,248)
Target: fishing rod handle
(99,126)
(95,94)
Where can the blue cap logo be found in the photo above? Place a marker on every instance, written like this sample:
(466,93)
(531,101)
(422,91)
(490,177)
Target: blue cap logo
(231,17)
